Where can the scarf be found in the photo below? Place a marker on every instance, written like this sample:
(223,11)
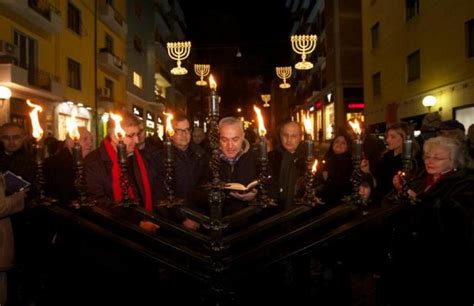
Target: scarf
(116,172)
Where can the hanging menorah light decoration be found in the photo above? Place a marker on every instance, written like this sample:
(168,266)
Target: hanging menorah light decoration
(284,73)
(201,71)
(266,98)
(303,45)
(179,51)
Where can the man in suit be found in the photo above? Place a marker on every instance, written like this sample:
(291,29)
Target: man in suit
(102,171)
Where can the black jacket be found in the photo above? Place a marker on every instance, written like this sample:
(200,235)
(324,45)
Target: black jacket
(60,175)
(284,185)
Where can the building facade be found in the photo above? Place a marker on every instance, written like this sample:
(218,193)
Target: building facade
(414,50)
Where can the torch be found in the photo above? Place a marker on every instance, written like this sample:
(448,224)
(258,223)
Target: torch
(79,180)
(356,159)
(122,159)
(263,199)
(169,179)
(38,148)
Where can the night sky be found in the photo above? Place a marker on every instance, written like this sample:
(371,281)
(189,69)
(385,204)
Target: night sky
(259,29)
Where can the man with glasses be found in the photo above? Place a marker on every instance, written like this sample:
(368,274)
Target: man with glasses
(103,173)
(13,155)
(190,164)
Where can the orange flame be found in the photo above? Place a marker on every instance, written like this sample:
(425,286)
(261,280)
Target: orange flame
(355,127)
(169,127)
(119,132)
(315,166)
(212,82)
(308,124)
(261,126)
(72,125)
(37,130)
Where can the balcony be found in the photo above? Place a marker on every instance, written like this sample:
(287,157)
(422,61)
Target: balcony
(113,20)
(112,63)
(40,13)
(35,83)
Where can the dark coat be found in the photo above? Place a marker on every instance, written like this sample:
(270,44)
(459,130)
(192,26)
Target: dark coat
(20,162)
(338,183)
(98,173)
(434,243)
(243,171)
(285,190)
(59,176)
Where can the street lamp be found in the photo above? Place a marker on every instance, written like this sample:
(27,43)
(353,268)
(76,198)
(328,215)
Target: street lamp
(428,102)
(5,94)
(239,110)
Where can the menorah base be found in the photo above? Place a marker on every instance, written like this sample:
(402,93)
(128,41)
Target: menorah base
(201,83)
(170,202)
(127,203)
(304,65)
(311,201)
(285,85)
(179,71)
(264,201)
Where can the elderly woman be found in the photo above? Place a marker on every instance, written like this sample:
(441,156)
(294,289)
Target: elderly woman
(433,252)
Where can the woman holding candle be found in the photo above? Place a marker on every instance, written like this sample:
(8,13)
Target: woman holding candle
(392,159)
(336,170)
(433,249)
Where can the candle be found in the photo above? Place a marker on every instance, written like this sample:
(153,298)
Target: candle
(261,132)
(169,134)
(308,127)
(122,151)
(119,133)
(77,152)
(73,132)
(37,131)
(407,147)
(214,99)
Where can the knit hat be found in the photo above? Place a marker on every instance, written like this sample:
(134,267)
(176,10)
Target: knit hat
(452,125)
(431,122)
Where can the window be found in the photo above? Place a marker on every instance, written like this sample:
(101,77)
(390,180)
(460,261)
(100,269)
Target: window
(375,35)
(74,18)
(470,38)
(137,80)
(376,84)
(137,44)
(110,85)
(413,66)
(74,74)
(109,43)
(27,48)
(412,8)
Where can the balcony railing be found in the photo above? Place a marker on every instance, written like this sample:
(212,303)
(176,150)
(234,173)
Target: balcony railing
(41,79)
(40,13)
(111,62)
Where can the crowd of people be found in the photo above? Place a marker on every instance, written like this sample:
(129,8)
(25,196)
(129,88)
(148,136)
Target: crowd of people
(432,244)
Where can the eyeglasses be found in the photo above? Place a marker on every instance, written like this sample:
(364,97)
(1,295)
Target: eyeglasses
(183,131)
(434,158)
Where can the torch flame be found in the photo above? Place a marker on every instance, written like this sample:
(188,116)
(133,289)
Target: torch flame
(212,82)
(37,130)
(72,125)
(169,128)
(315,167)
(308,124)
(261,126)
(355,127)
(119,132)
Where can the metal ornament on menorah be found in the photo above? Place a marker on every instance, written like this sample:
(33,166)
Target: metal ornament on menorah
(284,73)
(303,45)
(179,51)
(201,71)
(266,98)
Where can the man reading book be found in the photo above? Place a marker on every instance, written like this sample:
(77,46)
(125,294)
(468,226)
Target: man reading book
(238,163)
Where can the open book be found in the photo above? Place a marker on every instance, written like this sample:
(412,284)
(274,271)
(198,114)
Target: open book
(240,187)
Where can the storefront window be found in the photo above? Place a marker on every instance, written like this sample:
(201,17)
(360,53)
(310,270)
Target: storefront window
(330,124)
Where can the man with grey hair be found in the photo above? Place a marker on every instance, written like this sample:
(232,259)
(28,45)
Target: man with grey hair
(238,163)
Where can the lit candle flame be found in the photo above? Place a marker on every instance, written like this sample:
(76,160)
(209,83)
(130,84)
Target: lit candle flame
(314,168)
(37,130)
(212,83)
(119,132)
(71,124)
(169,127)
(308,124)
(261,126)
(355,127)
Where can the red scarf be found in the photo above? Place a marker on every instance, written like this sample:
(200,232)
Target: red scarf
(117,190)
